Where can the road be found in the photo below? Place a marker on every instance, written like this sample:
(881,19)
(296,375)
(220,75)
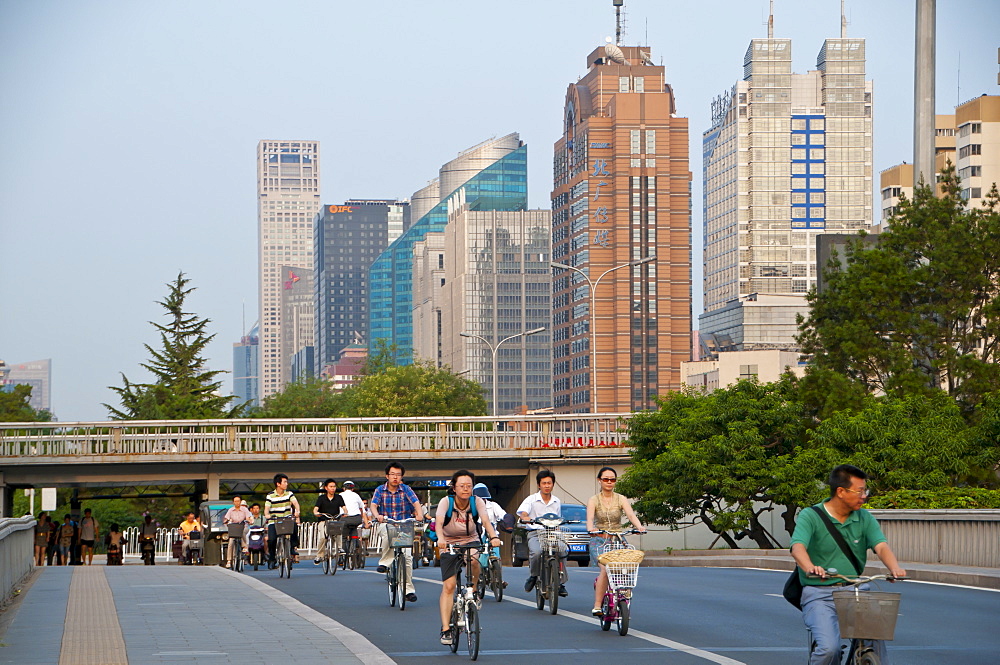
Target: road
(680,616)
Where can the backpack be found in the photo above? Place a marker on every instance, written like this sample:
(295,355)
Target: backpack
(432,529)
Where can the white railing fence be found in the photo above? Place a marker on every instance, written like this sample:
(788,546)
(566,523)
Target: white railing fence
(952,537)
(17,553)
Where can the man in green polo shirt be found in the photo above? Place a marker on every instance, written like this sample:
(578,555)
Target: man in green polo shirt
(815,551)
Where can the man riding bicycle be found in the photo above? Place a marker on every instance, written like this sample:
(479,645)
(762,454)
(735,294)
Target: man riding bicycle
(396,501)
(237,514)
(355,512)
(279,504)
(541,503)
(329,505)
(815,550)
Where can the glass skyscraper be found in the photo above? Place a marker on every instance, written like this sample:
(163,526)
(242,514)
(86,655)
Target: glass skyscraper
(493,176)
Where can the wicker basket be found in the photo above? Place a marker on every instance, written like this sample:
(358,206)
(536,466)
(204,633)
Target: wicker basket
(622,555)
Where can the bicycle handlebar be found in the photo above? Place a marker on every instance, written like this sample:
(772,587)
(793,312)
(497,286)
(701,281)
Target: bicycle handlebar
(624,532)
(854,581)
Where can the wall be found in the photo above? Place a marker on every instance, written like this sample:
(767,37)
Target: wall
(16,553)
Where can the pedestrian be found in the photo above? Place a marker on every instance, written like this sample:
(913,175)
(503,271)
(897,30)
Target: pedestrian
(67,537)
(90,531)
(42,529)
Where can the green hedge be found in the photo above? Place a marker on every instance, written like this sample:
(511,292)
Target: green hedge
(947,498)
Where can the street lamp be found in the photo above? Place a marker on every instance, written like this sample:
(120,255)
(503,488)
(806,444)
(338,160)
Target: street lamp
(593,320)
(494,349)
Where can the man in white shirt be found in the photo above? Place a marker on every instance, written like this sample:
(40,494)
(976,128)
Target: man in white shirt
(541,503)
(356,513)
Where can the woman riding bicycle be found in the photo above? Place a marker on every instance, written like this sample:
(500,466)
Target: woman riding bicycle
(461,528)
(606,511)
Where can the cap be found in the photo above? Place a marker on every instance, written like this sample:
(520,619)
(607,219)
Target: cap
(481,491)
(347,483)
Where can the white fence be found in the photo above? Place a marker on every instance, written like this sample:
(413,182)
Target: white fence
(17,553)
(954,537)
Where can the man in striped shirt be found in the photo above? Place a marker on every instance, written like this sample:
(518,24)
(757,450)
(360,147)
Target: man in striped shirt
(398,502)
(281,503)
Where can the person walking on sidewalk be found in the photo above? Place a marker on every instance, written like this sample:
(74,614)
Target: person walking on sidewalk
(815,550)
(398,502)
(43,529)
(90,531)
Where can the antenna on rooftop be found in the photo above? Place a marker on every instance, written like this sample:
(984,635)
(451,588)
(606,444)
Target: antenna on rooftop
(770,22)
(618,20)
(843,21)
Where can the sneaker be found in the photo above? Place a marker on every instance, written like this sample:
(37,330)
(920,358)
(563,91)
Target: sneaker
(317,561)
(411,597)
(529,584)
(382,569)
(562,591)
(597,612)
(446,637)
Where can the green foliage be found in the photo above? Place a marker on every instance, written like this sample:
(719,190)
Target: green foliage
(183,389)
(381,358)
(419,389)
(920,309)
(308,398)
(947,498)
(723,459)
(15,407)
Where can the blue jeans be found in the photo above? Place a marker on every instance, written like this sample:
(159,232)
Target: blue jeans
(820,617)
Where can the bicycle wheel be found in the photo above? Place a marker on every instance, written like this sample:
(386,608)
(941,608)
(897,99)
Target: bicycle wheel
(869,657)
(553,584)
(623,617)
(472,629)
(392,580)
(456,632)
(238,562)
(607,612)
(349,555)
(282,557)
(496,579)
(540,591)
(400,564)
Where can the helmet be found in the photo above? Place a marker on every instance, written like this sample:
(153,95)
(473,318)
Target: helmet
(347,483)
(481,491)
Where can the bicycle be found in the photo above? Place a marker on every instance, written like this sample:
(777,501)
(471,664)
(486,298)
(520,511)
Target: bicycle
(465,605)
(550,569)
(490,573)
(332,560)
(400,535)
(622,577)
(283,530)
(354,556)
(236,540)
(863,616)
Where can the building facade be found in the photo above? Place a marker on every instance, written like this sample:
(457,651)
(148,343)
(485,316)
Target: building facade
(897,181)
(489,278)
(288,199)
(38,375)
(246,364)
(347,239)
(621,195)
(493,176)
(297,323)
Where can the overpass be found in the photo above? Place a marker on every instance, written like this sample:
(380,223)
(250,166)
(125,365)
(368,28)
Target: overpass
(217,457)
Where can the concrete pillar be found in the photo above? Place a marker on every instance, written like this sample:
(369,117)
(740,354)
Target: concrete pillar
(6,498)
(212,486)
(923,94)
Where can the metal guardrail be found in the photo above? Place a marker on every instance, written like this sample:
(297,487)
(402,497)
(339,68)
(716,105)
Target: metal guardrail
(330,436)
(952,537)
(17,553)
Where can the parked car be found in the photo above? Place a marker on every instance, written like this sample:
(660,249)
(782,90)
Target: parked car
(577,537)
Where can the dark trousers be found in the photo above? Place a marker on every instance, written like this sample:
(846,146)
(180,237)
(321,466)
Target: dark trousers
(272,538)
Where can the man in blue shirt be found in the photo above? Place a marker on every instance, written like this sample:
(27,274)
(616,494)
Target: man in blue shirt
(815,551)
(396,501)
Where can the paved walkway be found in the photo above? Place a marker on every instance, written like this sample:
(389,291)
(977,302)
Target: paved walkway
(121,615)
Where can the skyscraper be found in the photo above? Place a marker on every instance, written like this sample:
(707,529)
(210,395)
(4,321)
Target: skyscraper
(493,176)
(298,305)
(788,157)
(621,195)
(488,275)
(348,238)
(246,364)
(38,375)
(287,200)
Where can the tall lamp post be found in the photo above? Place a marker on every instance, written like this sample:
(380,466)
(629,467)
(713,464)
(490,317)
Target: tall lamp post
(593,315)
(493,351)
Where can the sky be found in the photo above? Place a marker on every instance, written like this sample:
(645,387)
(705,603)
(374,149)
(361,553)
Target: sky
(130,128)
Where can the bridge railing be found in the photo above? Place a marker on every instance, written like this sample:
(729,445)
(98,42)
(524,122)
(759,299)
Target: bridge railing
(17,553)
(340,435)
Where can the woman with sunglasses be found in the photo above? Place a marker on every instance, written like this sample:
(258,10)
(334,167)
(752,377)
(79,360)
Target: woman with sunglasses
(606,511)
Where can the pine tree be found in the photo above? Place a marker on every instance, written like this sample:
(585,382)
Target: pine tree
(183,389)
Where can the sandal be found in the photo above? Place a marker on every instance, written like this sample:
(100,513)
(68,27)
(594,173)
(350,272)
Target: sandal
(597,612)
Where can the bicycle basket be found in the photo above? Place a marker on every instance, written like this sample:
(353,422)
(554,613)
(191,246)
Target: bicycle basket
(399,534)
(235,530)
(621,556)
(551,539)
(334,528)
(612,544)
(285,527)
(866,615)
(623,574)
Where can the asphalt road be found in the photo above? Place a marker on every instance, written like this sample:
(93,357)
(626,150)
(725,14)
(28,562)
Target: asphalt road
(679,616)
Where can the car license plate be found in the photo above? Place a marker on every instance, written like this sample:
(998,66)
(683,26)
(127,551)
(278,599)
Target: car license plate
(578,547)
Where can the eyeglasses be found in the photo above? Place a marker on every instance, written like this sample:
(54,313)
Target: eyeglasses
(609,480)
(864,492)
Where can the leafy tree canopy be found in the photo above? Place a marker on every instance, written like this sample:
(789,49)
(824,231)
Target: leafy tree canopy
(920,310)
(183,389)
(308,398)
(419,389)
(15,407)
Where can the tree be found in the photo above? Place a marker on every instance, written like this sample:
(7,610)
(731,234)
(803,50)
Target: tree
(309,398)
(419,389)
(15,407)
(920,309)
(183,389)
(724,459)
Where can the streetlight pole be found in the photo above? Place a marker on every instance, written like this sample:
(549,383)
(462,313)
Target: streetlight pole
(494,350)
(593,315)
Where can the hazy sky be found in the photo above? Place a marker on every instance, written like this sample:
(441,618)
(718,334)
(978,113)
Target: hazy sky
(129,131)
